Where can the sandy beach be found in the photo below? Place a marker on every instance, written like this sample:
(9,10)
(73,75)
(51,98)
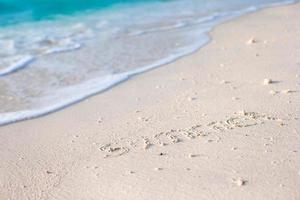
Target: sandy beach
(222,123)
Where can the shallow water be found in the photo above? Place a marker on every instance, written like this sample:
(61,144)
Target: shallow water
(53,55)
(20,11)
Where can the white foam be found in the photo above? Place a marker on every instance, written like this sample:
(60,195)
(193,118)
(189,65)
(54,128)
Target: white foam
(14,63)
(77,93)
(63,46)
(74,93)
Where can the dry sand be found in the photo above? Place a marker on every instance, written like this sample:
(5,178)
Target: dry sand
(220,124)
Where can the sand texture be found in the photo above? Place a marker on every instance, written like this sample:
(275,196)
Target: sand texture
(223,123)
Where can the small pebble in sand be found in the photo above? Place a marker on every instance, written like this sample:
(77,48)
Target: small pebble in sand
(281,185)
(191,98)
(273,92)
(235,98)
(240,182)
(162,154)
(131,172)
(288,91)
(224,82)
(267,81)
(158,168)
(234,148)
(192,155)
(144,119)
(49,172)
(251,41)
(274,162)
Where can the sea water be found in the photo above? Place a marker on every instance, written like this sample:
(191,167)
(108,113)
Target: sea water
(54,53)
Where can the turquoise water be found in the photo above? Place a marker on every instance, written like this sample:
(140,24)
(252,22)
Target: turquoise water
(54,53)
(19,11)
(31,10)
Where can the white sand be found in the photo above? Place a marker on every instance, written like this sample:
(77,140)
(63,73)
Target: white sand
(204,127)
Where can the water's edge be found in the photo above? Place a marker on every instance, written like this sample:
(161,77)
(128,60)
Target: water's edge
(111,81)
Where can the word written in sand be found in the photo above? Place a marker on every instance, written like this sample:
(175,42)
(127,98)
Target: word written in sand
(241,119)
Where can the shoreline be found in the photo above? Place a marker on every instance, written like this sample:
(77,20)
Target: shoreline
(100,85)
(203,127)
